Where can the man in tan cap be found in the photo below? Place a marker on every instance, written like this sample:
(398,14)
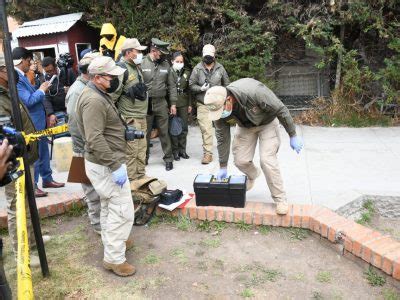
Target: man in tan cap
(206,74)
(103,130)
(132,104)
(92,198)
(256,111)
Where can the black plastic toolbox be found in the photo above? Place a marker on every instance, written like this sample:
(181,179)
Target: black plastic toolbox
(229,192)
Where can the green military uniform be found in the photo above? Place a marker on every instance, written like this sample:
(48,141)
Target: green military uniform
(160,82)
(134,112)
(200,75)
(28,127)
(181,79)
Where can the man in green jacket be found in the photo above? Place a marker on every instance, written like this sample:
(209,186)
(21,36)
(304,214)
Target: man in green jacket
(206,74)
(103,129)
(256,111)
(158,78)
(132,104)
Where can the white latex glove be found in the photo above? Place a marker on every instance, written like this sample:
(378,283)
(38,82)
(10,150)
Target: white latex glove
(205,87)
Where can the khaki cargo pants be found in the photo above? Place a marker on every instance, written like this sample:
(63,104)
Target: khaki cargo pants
(136,151)
(206,128)
(244,146)
(117,212)
(11,198)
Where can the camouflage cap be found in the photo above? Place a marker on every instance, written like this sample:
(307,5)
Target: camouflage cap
(160,45)
(214,99)
(88,57)
(104,65)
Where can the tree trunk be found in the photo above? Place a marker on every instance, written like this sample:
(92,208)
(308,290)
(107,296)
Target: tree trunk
(339,61)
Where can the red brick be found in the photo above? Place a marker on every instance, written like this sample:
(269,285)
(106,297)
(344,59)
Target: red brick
(367,247)
(286,220)
(248,217)
(201,213)
(358,241)
(184,211)
(52,209)
(297,212)
(220,215)
(60,208)
(229,214)
(268,214)
(211,213)
(238,215)
(68,205)
(389,259)
(43,213)
(257,217)
(396,269)
(332,234)
(305,216)
(193,212)
(379,251)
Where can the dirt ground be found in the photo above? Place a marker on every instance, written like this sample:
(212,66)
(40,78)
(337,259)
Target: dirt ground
(389,226)
(180,259)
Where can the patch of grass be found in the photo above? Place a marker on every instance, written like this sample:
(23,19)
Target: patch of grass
(298,234)
(324,277)
(243,226)
(151,259)
(390,294)
(219,264)
(247,293)
(218,226)
(183,223)
(211,243)
(76,210)
(204,226)
(180,255)
(299,276)
(264,229)
(154,221)
(367,215)
(374,278)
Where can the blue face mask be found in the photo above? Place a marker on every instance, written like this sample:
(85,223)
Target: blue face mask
(226,113)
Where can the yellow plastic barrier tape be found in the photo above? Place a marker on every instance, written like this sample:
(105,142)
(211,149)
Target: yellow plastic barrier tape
(24,277)
(46,132)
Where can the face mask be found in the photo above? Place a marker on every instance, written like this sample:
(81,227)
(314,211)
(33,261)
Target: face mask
(114,83)
(138,60)
(177,66)
(208,59)
(226,113)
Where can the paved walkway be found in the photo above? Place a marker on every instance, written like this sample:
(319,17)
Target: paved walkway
(336,166)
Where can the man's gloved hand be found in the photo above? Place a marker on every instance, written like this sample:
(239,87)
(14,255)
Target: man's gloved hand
(222,174)
(296,143)
(120,176)
(205,87)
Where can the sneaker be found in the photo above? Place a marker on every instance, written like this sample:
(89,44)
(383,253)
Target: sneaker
(124,269)
(282,208)
(207,158)
(250,182)
(97,228)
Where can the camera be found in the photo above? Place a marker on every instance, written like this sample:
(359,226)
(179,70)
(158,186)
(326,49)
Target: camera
(65,61)
(131,134)
(17,140)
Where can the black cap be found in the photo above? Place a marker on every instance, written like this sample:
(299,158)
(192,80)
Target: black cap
(19,53)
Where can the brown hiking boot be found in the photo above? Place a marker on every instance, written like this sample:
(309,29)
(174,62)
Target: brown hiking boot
(207,158)
(123,269)
(282,208)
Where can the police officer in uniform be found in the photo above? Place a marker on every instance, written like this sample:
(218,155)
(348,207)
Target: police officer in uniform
(133,105)
(183,106)
(159,80)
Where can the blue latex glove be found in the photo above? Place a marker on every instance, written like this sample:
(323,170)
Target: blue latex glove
(222,174)
(120,176)
(296,143)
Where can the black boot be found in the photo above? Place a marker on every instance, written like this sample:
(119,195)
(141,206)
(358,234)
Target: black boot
(169,166)
(184,155)
(176,156)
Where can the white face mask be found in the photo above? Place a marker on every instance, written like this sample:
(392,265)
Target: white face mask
(138,60)
(177,66)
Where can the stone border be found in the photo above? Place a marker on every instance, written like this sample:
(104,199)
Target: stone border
(375,248)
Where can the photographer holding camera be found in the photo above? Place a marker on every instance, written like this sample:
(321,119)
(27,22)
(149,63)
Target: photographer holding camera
(5,151)
(106,135)
(132,104)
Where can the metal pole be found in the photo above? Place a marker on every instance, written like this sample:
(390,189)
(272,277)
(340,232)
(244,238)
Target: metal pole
(16,112)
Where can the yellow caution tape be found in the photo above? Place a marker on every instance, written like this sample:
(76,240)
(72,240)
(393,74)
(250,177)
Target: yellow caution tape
(46,132)
(24,276)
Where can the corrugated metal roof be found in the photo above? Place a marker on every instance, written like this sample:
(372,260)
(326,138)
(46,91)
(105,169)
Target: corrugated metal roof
(47,25)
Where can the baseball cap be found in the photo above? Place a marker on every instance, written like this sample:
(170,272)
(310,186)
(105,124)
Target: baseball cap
(20,53)
(88,57)
(214,99)
(84,52)
(132,44)
(209,50)
(104,65)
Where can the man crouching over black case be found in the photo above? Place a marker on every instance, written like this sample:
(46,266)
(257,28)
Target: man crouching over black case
(104,131)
